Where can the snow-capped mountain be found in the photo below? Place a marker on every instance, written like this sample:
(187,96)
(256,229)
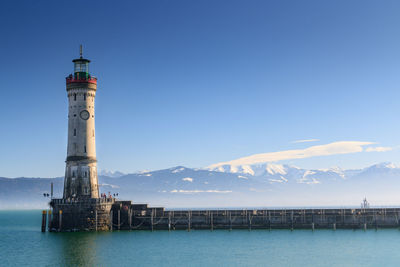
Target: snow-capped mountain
(281,173)
(229,186)
(113,174)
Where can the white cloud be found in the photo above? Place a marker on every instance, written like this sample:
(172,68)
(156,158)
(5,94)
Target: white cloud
(305,141)
(187,179)
(378,149)
(335,148)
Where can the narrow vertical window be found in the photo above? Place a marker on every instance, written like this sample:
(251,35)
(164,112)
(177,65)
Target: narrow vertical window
(74,132)
(85,149)
(75,97)
(93,133)
(84,96)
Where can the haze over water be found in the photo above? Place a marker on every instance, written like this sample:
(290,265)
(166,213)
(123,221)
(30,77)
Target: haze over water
(22,244)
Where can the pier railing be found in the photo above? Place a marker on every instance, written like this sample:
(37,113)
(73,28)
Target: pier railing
(59,201)
(356,218)
(123,215)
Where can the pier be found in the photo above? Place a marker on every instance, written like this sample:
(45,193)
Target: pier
(123,215)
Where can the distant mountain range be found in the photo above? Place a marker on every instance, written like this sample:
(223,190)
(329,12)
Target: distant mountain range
(276,173)
(266,185)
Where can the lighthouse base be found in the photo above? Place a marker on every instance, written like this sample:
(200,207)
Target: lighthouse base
(91,214)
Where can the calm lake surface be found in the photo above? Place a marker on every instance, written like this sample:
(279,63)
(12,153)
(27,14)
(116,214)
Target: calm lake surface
(22,244)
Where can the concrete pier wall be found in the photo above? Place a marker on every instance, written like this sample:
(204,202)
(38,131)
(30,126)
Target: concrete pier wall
(114,215)
(140,217)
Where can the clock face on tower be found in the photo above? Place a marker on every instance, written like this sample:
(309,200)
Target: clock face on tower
(84,114)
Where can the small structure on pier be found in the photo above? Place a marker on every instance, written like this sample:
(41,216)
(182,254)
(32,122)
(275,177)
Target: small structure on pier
(365,204)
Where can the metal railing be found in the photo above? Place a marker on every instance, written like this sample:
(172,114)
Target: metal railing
(90,79)
(82,200)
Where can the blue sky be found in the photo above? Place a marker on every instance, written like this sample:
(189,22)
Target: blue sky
(195,83)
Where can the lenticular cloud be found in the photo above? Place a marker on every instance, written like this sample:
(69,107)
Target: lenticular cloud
(335,148)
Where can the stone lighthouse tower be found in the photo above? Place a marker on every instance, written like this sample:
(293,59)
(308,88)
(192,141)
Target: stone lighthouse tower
(81,167)
(81,208)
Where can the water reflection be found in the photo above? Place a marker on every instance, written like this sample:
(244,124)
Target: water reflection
(76,249)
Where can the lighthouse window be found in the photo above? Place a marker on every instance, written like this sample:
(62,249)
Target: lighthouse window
(75,97)
(84,96)
(81,67)
(74,132)
(85,149)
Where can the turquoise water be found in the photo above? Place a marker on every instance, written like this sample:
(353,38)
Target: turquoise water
(22,244)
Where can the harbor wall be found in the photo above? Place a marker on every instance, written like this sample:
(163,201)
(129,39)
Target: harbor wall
(123,215)
(140,217)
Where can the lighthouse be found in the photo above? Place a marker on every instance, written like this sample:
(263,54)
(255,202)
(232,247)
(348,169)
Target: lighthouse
(81,165)
(80,208)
